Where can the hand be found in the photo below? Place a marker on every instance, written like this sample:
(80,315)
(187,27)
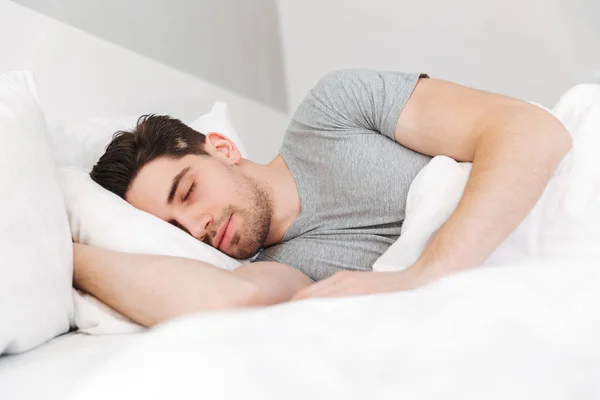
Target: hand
(354,283)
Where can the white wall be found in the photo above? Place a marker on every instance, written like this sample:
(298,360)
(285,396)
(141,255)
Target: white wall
(79,75)
(531,49)
(232,43)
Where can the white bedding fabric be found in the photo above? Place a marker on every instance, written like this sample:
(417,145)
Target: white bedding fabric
(36,255)
(54,370)
(522,331)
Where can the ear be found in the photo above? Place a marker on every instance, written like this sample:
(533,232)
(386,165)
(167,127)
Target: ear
(221,146)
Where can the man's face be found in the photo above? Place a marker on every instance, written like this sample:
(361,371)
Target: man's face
(207,197)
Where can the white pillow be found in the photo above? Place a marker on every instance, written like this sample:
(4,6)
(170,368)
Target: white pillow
(96,318)
(219,120)
(35,243)
(101,218)
(432,198)
(81,142)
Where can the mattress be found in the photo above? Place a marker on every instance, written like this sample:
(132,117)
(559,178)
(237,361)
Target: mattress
(54,370)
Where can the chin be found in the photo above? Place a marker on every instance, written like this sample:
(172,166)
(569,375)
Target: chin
(239,256)
(242,255)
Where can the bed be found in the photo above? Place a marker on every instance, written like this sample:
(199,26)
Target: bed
(524,330)
(517,328)
(54,369)
(520,332)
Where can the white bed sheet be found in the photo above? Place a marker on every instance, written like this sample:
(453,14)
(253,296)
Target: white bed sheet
(54,369)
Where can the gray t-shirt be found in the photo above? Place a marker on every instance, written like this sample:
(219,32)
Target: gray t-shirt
(352,176)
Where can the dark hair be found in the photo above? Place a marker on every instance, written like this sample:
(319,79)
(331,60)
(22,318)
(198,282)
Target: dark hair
(153,136)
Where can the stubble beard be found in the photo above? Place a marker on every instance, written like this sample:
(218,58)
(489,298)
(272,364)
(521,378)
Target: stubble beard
(250,238)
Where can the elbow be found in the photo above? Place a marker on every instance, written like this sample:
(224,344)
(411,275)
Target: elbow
(553,141)
(560,142)
(566,141)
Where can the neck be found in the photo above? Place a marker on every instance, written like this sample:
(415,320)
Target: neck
(277,179)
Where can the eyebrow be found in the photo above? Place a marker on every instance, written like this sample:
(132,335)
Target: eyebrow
(175,184)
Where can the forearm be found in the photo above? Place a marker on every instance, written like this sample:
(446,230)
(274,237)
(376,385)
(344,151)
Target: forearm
(274,282)
(511,168)
(150,289)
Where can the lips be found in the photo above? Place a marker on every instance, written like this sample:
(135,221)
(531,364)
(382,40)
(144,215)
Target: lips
(221,234)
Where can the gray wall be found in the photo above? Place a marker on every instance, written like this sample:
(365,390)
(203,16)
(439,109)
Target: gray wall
(530,49)
(231,43)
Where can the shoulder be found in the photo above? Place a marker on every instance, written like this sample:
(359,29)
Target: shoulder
(357,89)
(329,96)
(340,78)
(323,107)
(363,77)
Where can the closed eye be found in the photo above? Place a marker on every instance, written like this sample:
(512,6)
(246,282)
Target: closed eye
(189,192)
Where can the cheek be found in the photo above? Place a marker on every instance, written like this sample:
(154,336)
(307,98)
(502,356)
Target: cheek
(219,195)
(224,189)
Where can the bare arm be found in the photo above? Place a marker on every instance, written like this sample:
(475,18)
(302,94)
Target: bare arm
(514,147)
(150,289)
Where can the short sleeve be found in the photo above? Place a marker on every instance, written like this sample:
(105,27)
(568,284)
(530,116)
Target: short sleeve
(359,99)
(279,253)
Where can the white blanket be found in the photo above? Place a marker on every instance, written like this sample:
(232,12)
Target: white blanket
(53,370)
(519,332)
(528,330)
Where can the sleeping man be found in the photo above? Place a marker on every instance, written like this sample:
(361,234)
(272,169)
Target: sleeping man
(329,204)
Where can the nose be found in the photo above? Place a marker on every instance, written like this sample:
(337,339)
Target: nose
(196,225)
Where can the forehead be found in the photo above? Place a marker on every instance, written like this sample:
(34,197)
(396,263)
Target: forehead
(150,188)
